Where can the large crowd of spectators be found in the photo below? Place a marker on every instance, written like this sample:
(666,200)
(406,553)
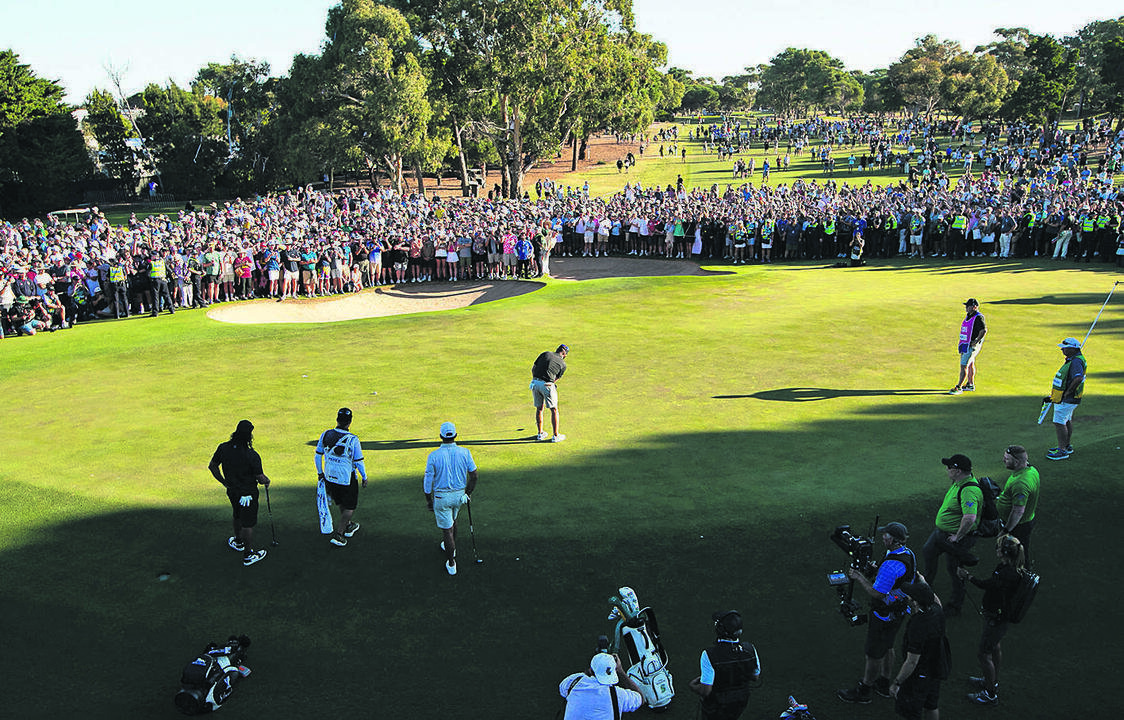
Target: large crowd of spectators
(1023,192)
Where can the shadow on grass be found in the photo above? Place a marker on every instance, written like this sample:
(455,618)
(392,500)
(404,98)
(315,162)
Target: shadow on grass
(694,521)
(433,443)
(813,394)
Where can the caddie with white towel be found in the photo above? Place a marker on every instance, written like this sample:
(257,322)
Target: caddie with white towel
(339,465)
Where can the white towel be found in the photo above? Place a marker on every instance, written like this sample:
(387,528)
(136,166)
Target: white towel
(322,503)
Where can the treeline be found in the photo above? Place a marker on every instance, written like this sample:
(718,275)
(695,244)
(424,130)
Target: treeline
(1019,76)
(400,88)
(406,88)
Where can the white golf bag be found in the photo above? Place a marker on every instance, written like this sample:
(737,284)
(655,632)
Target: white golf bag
(636,639)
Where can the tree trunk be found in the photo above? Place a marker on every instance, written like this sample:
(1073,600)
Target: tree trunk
(574,152)
(515,159)
(372,173)
(585,146)
(420,178)
(462,165)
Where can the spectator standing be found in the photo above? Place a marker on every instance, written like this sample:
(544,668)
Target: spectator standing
(1066,393)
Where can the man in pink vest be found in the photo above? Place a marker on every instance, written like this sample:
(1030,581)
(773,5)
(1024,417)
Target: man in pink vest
(972,332)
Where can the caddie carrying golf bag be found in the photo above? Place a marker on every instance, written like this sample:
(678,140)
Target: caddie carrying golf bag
(208,680)
(636,639)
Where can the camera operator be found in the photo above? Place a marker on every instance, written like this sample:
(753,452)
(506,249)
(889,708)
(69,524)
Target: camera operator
(726,670)
(602,692)
(897,569)
(955,520)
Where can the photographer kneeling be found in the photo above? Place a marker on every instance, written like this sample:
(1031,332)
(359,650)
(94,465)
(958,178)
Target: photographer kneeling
(898,568)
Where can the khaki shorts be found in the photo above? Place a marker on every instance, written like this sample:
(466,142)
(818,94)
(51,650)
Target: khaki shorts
(544,394)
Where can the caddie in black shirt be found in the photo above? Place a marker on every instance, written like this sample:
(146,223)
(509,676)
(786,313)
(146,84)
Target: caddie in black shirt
(237,466)
(545,373)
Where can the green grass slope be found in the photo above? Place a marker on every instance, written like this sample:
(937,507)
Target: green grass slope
(719,428)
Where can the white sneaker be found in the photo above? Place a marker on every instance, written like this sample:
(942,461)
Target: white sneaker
(558,438)
(541,436)
(451,569)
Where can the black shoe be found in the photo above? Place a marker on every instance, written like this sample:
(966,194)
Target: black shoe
(860,694)
(882,687)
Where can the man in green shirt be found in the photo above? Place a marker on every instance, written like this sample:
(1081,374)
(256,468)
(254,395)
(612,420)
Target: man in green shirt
(955,521)
(1018,501)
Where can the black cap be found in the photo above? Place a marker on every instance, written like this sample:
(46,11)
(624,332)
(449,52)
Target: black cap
(921,592)
(896,530)
(727,624)
(971,302)
(343,416)
(958,461)
(244,427)
(563,348)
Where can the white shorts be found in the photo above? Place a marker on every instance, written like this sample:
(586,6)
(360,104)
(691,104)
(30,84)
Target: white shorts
(274,274)
(544,394)
(1063,412)
(291,274)
(446,505)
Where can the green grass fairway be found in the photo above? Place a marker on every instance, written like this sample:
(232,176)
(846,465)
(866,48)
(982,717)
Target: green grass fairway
(719,428)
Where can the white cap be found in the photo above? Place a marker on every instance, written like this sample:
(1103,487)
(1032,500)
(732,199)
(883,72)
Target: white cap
(1069,343)
(448,431)
(604,668)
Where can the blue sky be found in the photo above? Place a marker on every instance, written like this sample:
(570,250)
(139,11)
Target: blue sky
(74,42)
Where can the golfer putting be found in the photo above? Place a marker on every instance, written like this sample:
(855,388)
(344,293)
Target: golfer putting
(545,374)
(450,478)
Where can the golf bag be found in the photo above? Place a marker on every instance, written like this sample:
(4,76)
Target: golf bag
(796,711)
(208,680)
(636,638)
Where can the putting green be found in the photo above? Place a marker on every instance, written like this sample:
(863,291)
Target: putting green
(718,428)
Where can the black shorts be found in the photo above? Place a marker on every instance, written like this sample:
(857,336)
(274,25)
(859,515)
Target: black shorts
(916,696)
(247,517)
(346,496)
(993,632)
(880,636)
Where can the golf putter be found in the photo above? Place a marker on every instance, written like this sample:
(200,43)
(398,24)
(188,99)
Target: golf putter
(472,533)
(269,506)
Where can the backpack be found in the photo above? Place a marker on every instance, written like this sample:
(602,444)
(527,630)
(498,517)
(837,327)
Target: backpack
(338,466)
(988,523)
(1022,596)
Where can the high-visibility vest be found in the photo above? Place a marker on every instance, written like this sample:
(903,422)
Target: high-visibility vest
(960,222)
(116,274)
(1088,223)
(156,269)
(829,227)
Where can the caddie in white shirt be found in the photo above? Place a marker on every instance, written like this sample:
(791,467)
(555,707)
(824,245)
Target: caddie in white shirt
(339,459)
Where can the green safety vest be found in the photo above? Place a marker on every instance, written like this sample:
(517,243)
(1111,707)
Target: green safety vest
(116,274)
(1088,223)
(156,270)
(829,227)
(960,222)
(1102,222)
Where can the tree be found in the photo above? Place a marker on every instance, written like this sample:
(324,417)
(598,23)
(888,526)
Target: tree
(111,133)
(699,97)
(1089,43)
(1050,76)
(1112,75)
(185,135)
(248,93)
(974,85)
(1009,51)
(42,153)
(919,75)
(798,79)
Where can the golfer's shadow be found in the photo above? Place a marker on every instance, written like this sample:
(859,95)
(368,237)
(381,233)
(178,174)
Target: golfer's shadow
(432,443)
(813,394)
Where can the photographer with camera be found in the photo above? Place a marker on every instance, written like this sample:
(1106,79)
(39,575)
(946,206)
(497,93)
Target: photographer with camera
(726,670)
(602,692)
(955,521)
(897,569)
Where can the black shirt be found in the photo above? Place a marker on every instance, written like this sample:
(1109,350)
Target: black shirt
(241,467)
(549,366)
(923,636)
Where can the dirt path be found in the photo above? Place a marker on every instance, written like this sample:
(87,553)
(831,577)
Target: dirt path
(433,296)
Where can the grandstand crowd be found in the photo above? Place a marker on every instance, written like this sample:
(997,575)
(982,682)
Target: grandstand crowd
(1023,192)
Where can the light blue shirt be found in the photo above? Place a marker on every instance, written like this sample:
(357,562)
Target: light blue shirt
(447,468)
